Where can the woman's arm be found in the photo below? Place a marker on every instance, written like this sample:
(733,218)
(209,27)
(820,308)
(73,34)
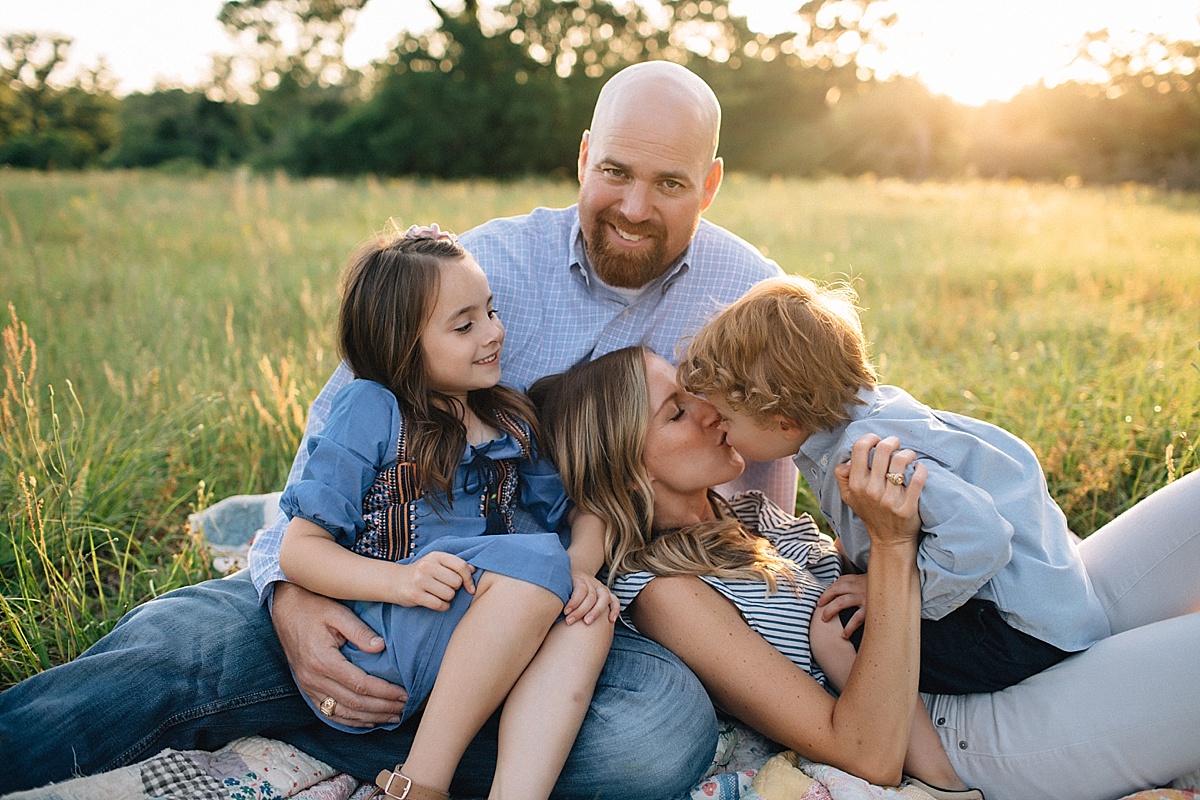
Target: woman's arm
(865,730)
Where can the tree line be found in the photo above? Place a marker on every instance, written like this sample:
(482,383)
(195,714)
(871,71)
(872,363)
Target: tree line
(505,91)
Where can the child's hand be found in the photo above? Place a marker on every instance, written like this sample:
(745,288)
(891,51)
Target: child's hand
(432,580)
(847,591)
(590,600)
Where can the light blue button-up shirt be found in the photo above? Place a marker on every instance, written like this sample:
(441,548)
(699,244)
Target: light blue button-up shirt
(989,526)
(556,313)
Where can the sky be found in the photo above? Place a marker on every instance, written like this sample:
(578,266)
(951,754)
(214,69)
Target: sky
(971,50)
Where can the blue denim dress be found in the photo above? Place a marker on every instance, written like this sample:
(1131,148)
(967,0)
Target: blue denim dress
(506,515)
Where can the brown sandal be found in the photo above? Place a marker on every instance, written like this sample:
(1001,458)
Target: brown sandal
(392,783)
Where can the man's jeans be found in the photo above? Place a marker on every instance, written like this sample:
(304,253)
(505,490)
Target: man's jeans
(201,666)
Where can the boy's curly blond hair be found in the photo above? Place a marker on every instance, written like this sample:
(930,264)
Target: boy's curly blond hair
(788,347)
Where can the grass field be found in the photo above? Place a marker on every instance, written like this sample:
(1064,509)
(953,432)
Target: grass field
(164,335)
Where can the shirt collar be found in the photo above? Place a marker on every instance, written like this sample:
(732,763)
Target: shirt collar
(822,443)
(579,264)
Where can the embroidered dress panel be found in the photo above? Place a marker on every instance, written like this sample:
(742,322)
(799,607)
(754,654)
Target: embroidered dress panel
(388,512)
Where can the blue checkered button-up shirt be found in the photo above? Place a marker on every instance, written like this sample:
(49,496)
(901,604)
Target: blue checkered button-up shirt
(556,313)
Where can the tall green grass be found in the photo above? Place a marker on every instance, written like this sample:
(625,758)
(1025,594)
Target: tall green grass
(166,334)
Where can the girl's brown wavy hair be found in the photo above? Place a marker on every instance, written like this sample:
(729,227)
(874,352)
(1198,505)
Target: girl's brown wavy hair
(388,293)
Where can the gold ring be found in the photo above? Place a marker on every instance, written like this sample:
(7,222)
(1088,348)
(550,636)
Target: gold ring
(895,477)
(328,706)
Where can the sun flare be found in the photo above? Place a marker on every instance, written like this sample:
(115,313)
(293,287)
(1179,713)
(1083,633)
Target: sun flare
(974,51)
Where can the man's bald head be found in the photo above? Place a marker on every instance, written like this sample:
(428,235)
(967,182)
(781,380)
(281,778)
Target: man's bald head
(655,86)
(647,169)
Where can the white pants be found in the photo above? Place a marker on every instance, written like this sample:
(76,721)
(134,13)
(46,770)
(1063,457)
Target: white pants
(1125,714)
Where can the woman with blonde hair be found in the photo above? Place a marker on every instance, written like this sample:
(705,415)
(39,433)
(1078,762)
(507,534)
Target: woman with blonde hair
(641,453)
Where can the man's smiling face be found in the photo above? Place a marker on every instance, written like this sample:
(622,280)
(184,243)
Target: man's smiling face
(646,171)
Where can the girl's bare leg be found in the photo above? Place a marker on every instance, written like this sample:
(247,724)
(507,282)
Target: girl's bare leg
(926,757)
(493,644)
(544,711)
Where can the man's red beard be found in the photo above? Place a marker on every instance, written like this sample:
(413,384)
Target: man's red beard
(621,268)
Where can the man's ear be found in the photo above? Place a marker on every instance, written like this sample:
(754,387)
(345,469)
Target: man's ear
(581,169)
(712,182)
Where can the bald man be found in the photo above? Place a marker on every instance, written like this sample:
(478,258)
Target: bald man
(632,263)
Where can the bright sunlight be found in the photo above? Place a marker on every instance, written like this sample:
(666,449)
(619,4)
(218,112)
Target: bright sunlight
(970,50)
(979,50)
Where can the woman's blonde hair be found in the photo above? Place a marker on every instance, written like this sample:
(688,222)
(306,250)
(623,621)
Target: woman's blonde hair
(788,347)
(595,417)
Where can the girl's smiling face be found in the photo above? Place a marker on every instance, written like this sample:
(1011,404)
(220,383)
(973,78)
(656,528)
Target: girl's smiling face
(462,339)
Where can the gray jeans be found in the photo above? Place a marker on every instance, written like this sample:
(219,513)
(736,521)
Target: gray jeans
(1125,714)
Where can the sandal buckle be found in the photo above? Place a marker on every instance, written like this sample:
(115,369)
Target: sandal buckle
(387,788)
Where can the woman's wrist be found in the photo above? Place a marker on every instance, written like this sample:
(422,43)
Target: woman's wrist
(900,552)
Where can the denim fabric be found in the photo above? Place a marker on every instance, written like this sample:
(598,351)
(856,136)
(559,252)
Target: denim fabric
(171,675)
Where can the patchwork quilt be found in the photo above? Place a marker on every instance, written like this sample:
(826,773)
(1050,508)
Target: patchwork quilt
(746,767)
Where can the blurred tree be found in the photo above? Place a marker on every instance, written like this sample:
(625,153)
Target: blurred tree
(506,90)
(452,102)
(46,126)
(301,39)
(300,82)
(1175,61)
(772,112)
(895,128)
(181,129)
(1142,124)
(29,61)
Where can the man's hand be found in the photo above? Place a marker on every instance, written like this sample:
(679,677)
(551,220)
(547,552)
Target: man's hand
(311,629)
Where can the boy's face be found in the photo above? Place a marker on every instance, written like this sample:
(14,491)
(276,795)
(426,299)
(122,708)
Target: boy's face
(758,439)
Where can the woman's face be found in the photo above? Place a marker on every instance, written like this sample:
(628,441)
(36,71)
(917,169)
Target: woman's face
(686,451)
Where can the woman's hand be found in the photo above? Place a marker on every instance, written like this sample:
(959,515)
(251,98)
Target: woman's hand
(590,600)
(887,505)
(848,591)
(433,579)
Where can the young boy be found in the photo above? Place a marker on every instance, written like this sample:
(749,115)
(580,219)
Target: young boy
(1004,592)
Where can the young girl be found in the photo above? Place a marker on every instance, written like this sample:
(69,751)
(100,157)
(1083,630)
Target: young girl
(406,509)
(1004,591)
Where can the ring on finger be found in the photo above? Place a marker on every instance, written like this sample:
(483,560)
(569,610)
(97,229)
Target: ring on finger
(328,706)
(896,478)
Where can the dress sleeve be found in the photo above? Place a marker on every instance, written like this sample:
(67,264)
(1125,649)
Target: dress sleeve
(264,552)
(543,495)
(344,459)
